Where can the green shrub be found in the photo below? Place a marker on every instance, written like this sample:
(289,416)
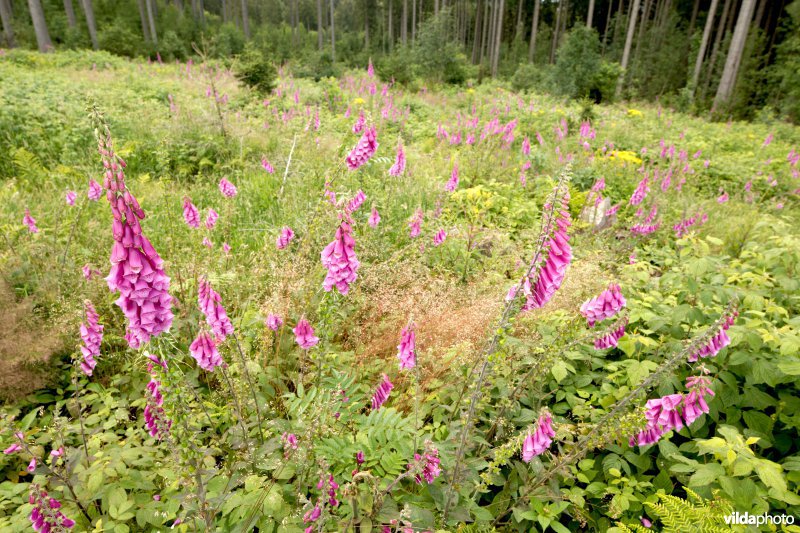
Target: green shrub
(255,70)
(397,66)
(578,63)
(119,40)
(529,77)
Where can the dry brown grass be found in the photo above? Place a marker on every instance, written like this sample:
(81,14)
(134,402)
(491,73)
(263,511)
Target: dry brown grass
(26,344)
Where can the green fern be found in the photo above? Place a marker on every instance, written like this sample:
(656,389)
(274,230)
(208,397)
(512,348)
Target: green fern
(693,514)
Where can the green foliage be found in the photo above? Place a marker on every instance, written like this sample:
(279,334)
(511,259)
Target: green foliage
(119,39)
(529,77)
(255,69)
(578,63)
(397,66)
(694,514)
(440,59)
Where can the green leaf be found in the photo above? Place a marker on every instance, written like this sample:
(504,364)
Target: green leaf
(559,527)
(559,370)
(706,475)
(770,474)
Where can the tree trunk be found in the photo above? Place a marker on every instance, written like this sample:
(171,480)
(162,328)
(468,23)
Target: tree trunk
(179,5)
(366,24)
(148,4)
(391,28)
(319,25)
(498,38)
(8,26)
(245,19)
(618,23)
(698,64)
(492,21)
(590,14)
(534,29)
(224,9)
(605,28)
(413,21)
(518,28)
(88,11)
(70,11)
(642,27)
(40,26)
(476,38)
(693,20)
(626,52)
(762,4)
(487,29)
(143,18)
(333,36)
(712,62)
(404,24)
(734,59)
(556,28)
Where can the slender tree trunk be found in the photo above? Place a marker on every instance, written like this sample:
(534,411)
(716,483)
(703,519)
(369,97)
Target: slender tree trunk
(404,24)
(8,24)
(642,26)
(487,28)
(319,25)
(40,25)
(435,7)
(734,59)
(476,40)
(712,61)
(605,28)
(698,64)
(626,52)
(143,18)
(366,24)
(333,35)
(224,9)
(148,4)
(498,38)
(534,29)
(413,21)
(179,5)
(492,20)
(245,19)
(762,4)
(618,23)
(391,27)
(518,28)
(556,28)
(91,25)
(693,20)
(590,14)
(70,11)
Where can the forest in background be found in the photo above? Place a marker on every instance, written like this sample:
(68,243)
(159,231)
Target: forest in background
(733,58)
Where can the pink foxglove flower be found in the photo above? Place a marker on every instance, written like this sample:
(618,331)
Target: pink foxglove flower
(452,183)
(364,149)
(216,317)
(382,393)
(204,350)
(767,141)
(526,147)
(137,271)
(15,447)
(427,464)
(226,248)
(605,305)
(613,210)
(155,419)
(717,342)
(610,339)
(536,443)
(274,322)
(95,191)
(32,465)
(207,242)
(211,219)
(406,350)
(227,188)
(723,198)
(399,165)
(190,213)
(361,121)
(559,256)
(265,164)
(415,224)
(370,69)
(356,201)
(339,257)
(644,229)
(46,515)
(284,238)
(88,271)
(641,192)
(29,221)
(694,403)
(304,335)
(70,197)
(663,415)
(374,218)
(439,238)
(92,336)
(331,489)
(289,441)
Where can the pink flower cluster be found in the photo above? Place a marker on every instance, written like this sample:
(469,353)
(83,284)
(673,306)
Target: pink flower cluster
(265,164)
(330,486)
(399,165)
(95,191)
(304,334)
(356,202)
(46,515)
(605,305)
(154,416)
(284,238)
(610,339)
(216,317)
(645,229)
(339,257)
(15,447)
(682,227)
(70,197)
(364,149)
(537,442)
(717,342)
(92,336)
(274,322)
(361,121)
(406,350)
(415,224)
(211,219)
(673,411)
(227,188)
(29,221)
(374,218)
(440,237)
(136,268)
(205,352)
(452,183)
(190,213)
(428,465)
(641,192)
(559,255)
(382,393)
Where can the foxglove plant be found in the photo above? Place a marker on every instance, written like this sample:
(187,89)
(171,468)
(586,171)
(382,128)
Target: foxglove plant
(415,224)
(537,442)
(717,342)
(190,213)
(92,336)
(46,515)
(29,221)
(426,466)
(339,257)
(406,350)
(205,352)
(284,238)
(227,188)
(211,219)
(356,202)
(605,305)
(304,334)
(611,338)
(265,164)
(155,419)
(381,394)
(95,191)
(399,165)
(137,271)
(439,238)
(452,183)
(216,317)
(374,218)
(274,322)
(364,149)
(70,197)
(640,192)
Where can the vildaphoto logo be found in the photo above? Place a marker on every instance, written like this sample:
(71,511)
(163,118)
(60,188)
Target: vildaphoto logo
(742,519)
